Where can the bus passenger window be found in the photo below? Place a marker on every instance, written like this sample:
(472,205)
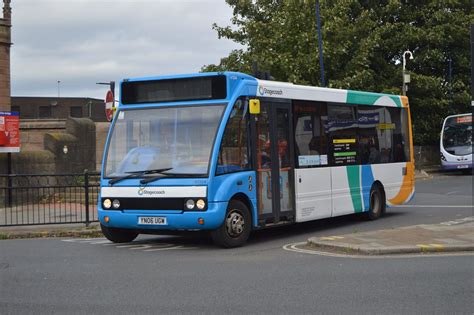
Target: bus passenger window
(343,130)
(310,133)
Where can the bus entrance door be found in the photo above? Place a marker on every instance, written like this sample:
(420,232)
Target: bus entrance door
(275,163)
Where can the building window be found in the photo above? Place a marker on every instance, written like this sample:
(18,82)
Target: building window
(75,111)
(45,112)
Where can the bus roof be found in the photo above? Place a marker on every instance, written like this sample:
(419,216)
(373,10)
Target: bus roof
(275,89)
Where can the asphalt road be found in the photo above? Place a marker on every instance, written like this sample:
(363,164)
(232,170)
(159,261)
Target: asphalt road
(163,275)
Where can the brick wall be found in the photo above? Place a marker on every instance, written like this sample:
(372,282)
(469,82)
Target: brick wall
(5,43)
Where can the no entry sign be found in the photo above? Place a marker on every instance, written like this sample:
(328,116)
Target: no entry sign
(109,105)
(9,132)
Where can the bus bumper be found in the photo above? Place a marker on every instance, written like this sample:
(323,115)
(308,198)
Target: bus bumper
(446,166)
(185,220)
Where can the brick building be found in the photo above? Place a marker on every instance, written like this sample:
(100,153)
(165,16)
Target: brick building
(34,107)
(5,43)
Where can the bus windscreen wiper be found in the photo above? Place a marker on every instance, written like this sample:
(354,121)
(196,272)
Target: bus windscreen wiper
(167,175)
(135,174)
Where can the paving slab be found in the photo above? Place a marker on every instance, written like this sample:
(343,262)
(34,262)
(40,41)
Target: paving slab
(452,236)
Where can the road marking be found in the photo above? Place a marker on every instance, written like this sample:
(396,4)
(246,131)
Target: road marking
(127,246)
(430,247)
(332,238)
(165,248)
(146,246)
(102,242)
(458,221)
(141,247)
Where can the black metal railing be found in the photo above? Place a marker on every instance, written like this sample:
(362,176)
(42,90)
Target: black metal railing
(48,199)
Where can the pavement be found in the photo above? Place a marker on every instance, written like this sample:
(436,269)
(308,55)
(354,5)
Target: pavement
(452,236)
(51,230)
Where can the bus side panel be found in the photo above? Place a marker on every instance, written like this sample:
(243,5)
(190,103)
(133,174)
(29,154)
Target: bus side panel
(346,190)
(313,193)
(399,188)
(224,187)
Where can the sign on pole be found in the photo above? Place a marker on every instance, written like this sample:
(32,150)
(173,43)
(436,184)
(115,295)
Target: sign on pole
(9,132)
(109,105)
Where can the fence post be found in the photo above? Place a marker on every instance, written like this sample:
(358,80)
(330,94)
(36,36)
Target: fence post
(86,187)
(9,180)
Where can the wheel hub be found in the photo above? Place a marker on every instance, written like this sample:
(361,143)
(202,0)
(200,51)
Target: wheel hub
(235,224)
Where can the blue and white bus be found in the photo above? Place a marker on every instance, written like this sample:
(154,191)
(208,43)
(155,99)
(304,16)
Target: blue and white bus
(456,143)
(229,153)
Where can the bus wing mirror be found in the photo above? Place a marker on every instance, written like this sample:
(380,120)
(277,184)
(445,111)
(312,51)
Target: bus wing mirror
(254,106)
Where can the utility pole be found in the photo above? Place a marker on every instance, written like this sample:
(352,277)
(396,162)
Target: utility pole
(320,45)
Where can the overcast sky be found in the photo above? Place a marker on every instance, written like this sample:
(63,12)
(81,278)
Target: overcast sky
(81,42)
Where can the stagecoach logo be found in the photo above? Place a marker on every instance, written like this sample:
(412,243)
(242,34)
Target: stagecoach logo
(143,191)
(264,91)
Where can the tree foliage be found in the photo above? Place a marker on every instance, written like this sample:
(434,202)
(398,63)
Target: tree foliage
(363,43)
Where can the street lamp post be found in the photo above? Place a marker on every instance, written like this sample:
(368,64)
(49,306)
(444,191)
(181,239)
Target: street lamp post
(405,76)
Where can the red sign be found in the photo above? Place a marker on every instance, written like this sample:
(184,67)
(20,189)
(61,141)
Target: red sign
(9,132)
(109,105)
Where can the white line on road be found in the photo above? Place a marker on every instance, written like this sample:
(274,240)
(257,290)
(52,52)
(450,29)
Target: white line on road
(127,246)
(165,248)
(141,247)
(102,242)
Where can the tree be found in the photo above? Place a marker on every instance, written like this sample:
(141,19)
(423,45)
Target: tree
(363,43)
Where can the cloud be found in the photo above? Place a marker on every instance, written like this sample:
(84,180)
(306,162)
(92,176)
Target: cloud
(81,42)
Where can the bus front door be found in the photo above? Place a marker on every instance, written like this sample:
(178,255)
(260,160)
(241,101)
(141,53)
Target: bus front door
(273,148)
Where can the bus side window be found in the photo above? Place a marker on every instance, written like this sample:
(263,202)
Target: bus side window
(310,132)
(234,151)
(343,134)
(400,140)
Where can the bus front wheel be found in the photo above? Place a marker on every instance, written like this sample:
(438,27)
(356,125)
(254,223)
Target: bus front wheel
(118,235)
(377,203)
(235,230)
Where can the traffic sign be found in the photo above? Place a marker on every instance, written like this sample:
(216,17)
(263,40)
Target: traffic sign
(109,105)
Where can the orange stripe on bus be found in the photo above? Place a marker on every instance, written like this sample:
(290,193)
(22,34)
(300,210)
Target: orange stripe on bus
(407,186)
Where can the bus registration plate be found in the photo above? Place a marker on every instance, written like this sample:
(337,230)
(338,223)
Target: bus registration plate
(152,220)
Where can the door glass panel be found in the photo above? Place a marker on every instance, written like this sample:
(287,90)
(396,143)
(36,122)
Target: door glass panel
(284,166)
(264,161)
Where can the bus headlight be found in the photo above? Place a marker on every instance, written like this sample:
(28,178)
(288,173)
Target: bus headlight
(116,204)
(107,203)
(189,204)
(200,204)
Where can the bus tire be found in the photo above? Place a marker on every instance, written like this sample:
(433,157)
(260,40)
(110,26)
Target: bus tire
(236,228)
(377,203)
(118,235)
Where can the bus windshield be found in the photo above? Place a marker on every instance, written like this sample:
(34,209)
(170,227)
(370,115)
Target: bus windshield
(178,139)
(457,135)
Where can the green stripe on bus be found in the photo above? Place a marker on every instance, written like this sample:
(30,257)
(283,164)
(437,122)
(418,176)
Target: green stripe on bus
(353,177)
(367,98)
(345,153)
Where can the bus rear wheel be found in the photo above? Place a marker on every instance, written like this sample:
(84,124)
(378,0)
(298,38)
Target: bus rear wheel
(377,203)
(235,230)
(118,235)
